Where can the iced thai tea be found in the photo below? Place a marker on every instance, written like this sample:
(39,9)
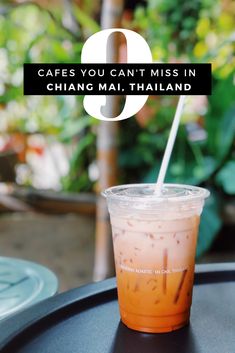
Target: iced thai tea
(154,242)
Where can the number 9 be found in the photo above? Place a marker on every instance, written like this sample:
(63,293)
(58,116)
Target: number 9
(95,51)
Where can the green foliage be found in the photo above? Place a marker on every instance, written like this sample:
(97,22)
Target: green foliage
(89,25)
(210,223)
(220,120)
(78,177)
(226,178)
(42,37)
(209,162)
(195,31)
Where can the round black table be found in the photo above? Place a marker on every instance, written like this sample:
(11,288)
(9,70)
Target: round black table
(86,320)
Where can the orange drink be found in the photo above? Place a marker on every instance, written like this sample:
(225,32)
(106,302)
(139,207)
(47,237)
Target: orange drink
(154,239)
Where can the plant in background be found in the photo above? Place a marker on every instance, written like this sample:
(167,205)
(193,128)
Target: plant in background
(199,31)
(46,35)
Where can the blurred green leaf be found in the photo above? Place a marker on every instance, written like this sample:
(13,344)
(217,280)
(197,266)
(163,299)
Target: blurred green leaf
(186,172)
(220,120)
(226,132)
(151,175)
(74,127)
(83,143)
(210,224)
(226,177)
(85,20)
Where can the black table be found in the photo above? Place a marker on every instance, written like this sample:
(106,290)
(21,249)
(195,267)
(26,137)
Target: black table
(86,320)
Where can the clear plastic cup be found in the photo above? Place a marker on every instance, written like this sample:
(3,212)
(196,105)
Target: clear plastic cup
(154,240)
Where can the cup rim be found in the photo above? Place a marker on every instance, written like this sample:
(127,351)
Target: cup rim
(193,193)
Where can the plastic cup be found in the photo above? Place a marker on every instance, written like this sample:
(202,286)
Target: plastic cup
(154,240)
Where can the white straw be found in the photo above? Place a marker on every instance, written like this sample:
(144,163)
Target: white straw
(170,145)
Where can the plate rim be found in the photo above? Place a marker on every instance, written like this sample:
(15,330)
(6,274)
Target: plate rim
(45,277)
